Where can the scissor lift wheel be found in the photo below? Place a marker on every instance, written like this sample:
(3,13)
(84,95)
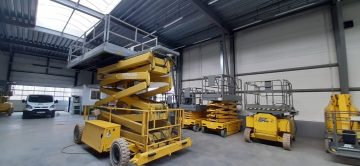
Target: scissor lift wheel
(119,153)
(223,133)
(196,128)
(204,130)
(286,141)
(247,134)
(327,145)
(78,130)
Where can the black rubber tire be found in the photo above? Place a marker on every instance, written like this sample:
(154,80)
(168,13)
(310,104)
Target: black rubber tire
(78,131)
(196,128)
(25,116)
(327,142)
(223,133)
(204,130)
(119,152)
(247,135)
(287,141)
(52,114)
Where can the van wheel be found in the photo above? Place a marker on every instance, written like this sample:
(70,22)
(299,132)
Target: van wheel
(52,114)
(25,116)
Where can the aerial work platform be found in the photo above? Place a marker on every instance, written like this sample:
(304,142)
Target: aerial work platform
(109,41)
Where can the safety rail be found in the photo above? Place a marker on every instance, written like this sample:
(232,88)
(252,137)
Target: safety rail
(191,95)
(147,121)
(343,123)
(271,95)
(112,30)
(221,84)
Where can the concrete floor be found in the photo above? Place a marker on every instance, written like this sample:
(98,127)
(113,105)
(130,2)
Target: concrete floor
(39,142)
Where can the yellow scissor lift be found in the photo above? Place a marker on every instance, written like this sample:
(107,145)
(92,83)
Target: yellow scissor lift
(271,105)
(133,128)
(5,106)
(342,127)
(195,111)
(222,112)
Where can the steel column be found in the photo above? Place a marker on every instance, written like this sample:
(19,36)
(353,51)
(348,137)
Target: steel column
(232,56)
(9,69)
(340,44)
(179,70)
(76,77)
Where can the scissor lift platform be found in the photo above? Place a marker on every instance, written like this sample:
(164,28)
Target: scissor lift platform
(106,42)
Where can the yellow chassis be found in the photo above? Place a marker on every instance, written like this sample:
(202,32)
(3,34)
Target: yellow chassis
(225,128)
(269,127)
(143,158)
(194,124)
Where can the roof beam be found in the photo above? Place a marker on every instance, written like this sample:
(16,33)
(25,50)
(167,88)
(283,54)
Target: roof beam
(35,45)
(79,7)
(56,33)
(211,15)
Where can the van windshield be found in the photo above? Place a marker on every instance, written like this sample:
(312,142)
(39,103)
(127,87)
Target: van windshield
(40,99)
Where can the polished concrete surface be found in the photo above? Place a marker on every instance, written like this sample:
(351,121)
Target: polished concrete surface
(40,142)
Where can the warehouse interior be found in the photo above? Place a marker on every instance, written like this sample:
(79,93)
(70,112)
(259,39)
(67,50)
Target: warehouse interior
(179,82)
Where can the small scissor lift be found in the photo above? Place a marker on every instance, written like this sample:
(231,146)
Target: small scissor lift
(222,113)
(195,111)
(271,105)
(342,127)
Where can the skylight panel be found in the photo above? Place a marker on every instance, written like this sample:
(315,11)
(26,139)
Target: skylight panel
(102,6)
(79,23)
(52,15)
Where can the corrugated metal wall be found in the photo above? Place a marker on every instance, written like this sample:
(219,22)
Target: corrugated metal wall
(304,39)
(199,61)
(351,12)
(298,41)
(31,70)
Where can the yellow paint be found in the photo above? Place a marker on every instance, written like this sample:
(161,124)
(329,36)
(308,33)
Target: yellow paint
(144,123)
(269,127)
(100,134)
(232,127)
(340,110)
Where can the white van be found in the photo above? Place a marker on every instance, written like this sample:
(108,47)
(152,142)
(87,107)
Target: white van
(35,105)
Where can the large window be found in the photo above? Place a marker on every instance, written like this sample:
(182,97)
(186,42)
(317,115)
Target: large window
(22,91)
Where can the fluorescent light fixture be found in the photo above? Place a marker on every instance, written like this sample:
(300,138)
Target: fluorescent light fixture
(301,7)
(178,47)
(213,1)
(150,34)
(202,40)
(173,22)
(247,25)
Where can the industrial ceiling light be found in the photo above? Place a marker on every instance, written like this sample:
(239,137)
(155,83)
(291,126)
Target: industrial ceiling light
(178,47)
(247,25)
(202,40)
(173,22)
(301,7)
(213,1)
